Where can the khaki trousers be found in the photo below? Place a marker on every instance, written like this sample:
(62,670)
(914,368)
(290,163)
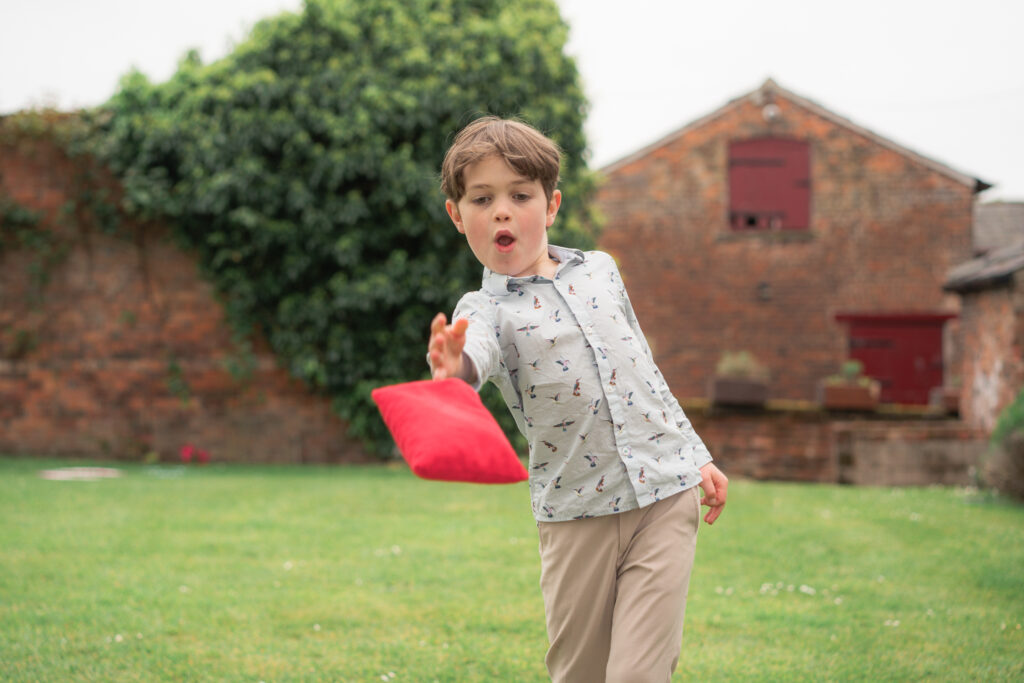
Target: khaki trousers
(615,591)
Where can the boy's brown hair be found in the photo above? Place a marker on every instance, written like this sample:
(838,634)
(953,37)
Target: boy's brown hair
(529,152)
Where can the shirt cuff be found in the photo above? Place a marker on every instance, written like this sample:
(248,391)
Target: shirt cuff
(473,372)
(466,358)
(701,456)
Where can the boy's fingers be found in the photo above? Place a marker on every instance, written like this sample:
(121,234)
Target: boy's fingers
(712,514)
(440,368)
(438,323)
(722,490)
(708,484)
(445,345)
(714,506)
(715,491)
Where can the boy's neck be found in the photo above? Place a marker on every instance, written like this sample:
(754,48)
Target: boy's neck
(549,267)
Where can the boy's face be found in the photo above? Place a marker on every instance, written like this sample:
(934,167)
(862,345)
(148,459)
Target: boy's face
(505,218)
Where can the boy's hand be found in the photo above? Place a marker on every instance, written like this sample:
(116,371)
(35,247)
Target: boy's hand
(445,348)
(715,487)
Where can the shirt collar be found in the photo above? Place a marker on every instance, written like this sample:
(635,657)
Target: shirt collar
(497,284)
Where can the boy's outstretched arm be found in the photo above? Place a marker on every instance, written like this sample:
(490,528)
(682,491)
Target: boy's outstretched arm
(716,486)
(445,348)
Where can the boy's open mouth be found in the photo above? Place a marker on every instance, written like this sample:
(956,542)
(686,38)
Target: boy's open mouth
(504,241)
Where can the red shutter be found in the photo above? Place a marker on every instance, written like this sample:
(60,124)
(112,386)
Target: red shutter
(769,184)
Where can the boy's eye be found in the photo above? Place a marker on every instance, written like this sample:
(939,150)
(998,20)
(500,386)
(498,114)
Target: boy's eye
(521,196)
(479,200)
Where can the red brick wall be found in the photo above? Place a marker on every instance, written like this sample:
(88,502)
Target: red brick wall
(119,319)
(992,321)
(814,446)
(788,446)
(885,228)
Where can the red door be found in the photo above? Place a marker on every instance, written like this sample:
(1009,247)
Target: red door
(903,352)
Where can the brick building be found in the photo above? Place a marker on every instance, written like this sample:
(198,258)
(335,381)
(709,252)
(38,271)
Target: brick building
(124,352)
(775,226)
(991,287)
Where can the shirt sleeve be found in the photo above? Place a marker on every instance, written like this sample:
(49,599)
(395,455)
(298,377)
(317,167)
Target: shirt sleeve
(701,455)
(482,348)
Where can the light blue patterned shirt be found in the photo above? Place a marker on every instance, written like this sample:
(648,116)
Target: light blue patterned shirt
(605,433)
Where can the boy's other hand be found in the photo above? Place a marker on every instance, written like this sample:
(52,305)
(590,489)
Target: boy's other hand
(445,348)
(716,486)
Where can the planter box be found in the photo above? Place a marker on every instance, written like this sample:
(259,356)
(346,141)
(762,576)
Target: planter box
(945,399)
(848,396)
(735,391)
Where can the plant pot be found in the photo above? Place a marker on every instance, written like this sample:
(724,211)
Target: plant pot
(737,391)
(849,396)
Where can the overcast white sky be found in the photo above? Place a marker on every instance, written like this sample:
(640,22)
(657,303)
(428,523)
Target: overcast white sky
(942,77)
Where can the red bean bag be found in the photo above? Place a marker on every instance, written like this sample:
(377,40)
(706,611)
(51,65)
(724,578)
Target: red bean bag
(445,433)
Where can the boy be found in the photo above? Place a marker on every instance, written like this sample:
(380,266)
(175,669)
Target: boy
(614,462)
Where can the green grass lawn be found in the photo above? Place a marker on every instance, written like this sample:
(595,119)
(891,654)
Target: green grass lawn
(369,574)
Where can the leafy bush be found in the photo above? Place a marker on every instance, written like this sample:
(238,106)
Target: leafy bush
(1004,468)
(303,170)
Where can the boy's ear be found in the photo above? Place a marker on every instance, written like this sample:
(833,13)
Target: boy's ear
(453,212)
(556,201)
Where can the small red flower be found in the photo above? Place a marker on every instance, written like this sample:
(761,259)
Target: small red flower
(186,452)
(202,457)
